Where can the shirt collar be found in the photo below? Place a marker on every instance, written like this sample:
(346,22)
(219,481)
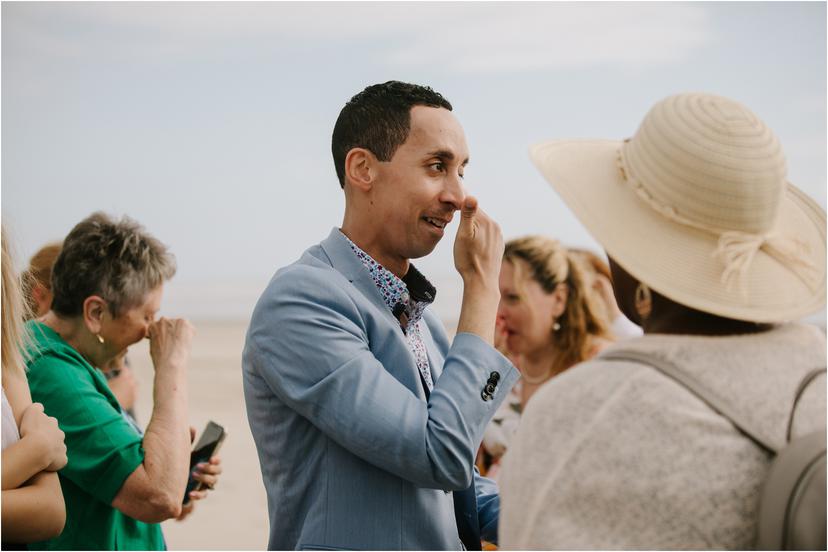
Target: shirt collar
(413,290)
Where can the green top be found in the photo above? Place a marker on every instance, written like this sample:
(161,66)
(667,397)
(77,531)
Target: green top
(102,446)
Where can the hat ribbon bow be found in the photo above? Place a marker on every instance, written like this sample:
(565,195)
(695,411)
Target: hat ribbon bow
(738,249)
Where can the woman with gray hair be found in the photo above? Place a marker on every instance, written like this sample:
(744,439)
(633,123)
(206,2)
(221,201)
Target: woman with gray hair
(119,484)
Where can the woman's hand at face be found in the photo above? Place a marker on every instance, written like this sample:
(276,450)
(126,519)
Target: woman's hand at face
(170,340)
(43,431)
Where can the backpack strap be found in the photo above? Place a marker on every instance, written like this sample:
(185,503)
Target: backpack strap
(715,402)
(809,377)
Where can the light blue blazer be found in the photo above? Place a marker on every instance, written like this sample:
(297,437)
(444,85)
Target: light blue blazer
(352,454)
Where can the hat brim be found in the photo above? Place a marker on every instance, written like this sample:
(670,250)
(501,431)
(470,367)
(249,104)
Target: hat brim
(677,260)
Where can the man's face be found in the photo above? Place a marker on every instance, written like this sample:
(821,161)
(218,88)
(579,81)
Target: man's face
(420,188)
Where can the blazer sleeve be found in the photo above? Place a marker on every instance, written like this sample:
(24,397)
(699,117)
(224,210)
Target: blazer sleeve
(308,341)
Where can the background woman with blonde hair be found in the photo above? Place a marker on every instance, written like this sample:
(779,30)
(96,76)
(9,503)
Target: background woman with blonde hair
(549,319)
(33,448)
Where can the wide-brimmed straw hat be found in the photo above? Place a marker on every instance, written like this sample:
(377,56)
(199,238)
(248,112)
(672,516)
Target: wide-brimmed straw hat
(697,206)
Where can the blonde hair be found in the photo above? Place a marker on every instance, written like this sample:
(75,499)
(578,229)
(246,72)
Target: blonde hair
(551,264)
(13,334)
(593,261)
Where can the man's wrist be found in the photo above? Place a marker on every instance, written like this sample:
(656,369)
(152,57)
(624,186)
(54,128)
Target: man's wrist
(479,311)
(480,287)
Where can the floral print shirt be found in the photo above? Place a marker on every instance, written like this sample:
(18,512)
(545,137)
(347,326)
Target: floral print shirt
(407,298)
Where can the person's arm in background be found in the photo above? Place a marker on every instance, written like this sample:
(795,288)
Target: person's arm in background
(154,491)
(33,507)
(488,507)
(40,448)
(34,512)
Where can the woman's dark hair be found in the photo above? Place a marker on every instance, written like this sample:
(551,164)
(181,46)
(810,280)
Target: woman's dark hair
(116,260)
(379,119)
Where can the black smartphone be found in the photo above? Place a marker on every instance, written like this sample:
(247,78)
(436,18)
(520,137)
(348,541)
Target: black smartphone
(207,445)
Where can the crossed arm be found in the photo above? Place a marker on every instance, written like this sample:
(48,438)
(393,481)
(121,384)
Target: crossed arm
(33,507)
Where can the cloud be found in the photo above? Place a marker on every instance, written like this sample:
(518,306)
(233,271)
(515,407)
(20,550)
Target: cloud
(544,36)
(453,36)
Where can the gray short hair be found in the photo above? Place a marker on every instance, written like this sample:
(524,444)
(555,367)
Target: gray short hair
(116,260)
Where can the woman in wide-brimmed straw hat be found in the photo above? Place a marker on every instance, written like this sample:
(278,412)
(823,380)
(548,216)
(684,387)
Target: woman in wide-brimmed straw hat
(714,254)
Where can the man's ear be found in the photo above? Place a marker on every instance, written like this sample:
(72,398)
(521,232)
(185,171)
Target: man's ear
(360,169)
(94,309)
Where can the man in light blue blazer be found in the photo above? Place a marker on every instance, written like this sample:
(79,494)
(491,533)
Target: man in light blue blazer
(365,417)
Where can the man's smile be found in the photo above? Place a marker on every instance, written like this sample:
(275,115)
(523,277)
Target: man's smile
(439,223)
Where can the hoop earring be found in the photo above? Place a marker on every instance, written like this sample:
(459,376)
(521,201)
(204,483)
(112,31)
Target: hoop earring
(643,301)
(100,339)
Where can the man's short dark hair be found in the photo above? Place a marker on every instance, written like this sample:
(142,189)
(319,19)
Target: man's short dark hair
(379,119)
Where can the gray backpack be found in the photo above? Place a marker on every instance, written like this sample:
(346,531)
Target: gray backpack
(792,511)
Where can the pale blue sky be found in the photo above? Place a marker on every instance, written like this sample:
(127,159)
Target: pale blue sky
(210,123)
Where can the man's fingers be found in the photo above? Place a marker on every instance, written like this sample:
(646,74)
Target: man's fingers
(469,207)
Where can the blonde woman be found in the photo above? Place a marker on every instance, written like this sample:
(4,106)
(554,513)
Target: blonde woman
(549,319)
(33,448)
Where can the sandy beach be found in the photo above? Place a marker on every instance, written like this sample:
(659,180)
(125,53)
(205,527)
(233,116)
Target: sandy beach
(234,516)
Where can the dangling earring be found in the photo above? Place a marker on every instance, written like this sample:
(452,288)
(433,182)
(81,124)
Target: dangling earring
(100,339)
(643,301)
(556,326)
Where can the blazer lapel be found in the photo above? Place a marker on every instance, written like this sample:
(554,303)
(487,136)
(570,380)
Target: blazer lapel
(344,261)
